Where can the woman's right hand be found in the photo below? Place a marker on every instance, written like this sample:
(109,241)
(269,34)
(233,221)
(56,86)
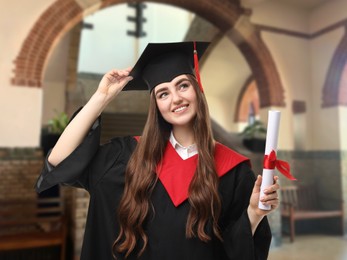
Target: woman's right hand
(112,83)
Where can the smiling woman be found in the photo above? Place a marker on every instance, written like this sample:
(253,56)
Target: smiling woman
(176,101)
(173,193)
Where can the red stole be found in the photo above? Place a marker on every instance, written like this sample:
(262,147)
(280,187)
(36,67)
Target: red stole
(176,174)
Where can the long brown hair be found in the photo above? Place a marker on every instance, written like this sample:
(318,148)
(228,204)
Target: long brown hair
(140,179)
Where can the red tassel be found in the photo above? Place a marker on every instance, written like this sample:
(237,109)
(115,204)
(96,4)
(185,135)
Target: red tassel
(196,67)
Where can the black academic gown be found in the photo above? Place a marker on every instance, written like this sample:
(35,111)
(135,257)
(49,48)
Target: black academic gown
(100,170)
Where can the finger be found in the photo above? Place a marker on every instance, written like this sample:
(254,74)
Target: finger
(271,202)
(276,179)
(124,81)
(271,196)
(127,79)
(123,73)
(118,73)
(117,76)
(257,184)
(273,188)
(113,72)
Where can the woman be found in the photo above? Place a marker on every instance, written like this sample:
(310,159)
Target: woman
(173,193)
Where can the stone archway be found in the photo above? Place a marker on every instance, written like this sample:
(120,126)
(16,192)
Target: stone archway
(247,37)
(62,15)
(248,94)
(335,86)
(58,18)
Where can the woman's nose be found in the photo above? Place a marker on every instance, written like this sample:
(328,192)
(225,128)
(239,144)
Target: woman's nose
(176,97)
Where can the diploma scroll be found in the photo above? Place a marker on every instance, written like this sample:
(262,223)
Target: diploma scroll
(270,145)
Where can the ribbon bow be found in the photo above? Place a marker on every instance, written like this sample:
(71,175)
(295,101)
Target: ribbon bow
(271,162)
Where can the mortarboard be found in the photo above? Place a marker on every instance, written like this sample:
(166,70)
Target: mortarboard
(162,62)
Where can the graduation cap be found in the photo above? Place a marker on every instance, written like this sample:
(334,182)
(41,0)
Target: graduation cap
(162,62)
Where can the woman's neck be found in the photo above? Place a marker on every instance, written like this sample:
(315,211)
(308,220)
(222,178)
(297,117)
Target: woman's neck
(184,135)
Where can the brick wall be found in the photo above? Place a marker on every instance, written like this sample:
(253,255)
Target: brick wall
(19,169)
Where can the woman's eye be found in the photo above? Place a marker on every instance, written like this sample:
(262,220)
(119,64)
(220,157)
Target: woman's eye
(162,95)
(184,86)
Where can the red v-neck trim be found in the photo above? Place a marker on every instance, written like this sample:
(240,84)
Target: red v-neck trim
(176,174)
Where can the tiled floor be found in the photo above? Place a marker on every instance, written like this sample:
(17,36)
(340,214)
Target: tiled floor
(311,247)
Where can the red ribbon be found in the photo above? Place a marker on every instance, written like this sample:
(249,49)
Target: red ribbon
(196,67)
(271,162)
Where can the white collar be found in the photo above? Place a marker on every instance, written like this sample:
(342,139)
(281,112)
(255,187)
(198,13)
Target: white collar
(184,152)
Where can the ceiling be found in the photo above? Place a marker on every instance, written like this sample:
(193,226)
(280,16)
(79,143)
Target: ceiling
(304,4)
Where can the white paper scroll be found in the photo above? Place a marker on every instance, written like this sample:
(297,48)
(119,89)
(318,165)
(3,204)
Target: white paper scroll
(271,144)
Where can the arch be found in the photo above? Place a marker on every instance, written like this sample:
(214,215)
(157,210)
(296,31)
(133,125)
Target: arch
(247,37)
(62,15)
(249,92)
(335,86)
(48,29)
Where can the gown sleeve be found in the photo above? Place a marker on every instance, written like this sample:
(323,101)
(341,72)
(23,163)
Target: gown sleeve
(86,165)
(236,188)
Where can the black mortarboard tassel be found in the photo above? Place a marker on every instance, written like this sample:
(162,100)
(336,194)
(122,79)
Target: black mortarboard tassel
(162,62)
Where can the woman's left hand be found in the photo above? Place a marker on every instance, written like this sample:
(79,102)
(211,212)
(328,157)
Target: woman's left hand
(270,197)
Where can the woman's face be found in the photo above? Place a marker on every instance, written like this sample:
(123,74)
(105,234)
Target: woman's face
(176,101)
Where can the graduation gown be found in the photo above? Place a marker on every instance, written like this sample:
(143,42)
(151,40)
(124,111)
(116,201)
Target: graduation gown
(100,170)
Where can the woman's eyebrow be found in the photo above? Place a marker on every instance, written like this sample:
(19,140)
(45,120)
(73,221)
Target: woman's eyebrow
(180,81)
(166,88)
(161,90)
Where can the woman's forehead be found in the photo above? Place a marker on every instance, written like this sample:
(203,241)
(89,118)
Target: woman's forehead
(174,81)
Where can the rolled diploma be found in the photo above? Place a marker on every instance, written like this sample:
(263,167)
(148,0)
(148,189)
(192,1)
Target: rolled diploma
(271,144)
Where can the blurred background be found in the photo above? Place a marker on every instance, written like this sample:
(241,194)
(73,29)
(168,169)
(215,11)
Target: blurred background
(285,55)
